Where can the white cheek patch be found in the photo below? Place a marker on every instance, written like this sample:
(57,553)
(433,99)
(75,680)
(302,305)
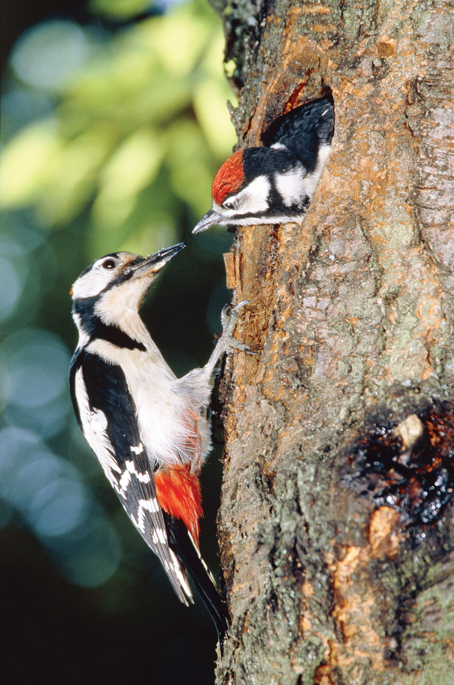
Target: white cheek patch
(91,283)
(252,200)
(291,187)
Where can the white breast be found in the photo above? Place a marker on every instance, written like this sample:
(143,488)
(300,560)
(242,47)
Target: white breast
(162,413)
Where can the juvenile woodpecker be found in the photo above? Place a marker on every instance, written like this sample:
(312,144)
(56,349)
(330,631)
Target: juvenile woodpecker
(148,428)
(274,184)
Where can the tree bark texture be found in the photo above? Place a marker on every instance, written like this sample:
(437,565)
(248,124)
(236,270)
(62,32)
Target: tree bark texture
(336,523)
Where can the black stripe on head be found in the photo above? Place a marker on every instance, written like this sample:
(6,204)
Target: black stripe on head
(98,330)
(276,211)
(125,275)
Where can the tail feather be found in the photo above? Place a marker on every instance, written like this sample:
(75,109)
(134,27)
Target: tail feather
(182,544)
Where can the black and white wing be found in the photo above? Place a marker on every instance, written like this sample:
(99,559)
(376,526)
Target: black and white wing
(106,413)
(304,131)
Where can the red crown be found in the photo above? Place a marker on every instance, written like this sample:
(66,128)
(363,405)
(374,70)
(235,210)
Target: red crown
(229,178)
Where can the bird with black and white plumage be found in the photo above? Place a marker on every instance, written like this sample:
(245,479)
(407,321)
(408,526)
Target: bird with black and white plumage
(275,183)
(148,428)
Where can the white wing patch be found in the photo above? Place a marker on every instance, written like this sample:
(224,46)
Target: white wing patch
(131,467)
(94,423)
(159,535)
(123,485)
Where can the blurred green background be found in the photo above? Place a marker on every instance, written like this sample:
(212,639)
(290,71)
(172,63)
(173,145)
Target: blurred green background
(114,122)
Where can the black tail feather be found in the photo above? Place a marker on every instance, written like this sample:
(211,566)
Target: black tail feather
(181,543)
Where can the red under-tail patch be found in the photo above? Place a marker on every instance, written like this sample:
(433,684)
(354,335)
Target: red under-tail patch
(229,178)
(178,492)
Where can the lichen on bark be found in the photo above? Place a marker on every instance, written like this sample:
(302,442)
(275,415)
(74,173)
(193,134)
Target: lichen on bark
(352,316)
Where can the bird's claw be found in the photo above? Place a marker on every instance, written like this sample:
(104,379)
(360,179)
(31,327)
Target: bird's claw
(230,315)
(229,318)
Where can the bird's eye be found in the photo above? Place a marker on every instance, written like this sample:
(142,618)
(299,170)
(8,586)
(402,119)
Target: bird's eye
(108,264)
(228,205)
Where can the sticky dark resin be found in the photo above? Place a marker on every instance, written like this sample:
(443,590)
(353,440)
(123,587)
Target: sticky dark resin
(418,478)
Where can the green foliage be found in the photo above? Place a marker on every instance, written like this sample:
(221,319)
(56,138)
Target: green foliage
(138,133)
(119,9)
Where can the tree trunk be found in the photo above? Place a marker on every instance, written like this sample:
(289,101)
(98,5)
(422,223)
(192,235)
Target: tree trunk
(336,524)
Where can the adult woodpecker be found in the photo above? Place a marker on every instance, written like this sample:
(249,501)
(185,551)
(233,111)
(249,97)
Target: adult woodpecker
(274,184)
(148,428)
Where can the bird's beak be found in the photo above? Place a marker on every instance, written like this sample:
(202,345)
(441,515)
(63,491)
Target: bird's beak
(211,218)
(154,263)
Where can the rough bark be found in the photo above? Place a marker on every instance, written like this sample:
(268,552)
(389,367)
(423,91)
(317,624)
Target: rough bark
(336,524)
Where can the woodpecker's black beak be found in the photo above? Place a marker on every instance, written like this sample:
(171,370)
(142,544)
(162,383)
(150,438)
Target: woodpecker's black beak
(154,263)
(211,218)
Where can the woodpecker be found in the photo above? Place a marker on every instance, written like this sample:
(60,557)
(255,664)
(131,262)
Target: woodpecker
(274,184)
(147,427)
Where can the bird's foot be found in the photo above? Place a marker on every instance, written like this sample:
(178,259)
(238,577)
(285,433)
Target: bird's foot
(227,343)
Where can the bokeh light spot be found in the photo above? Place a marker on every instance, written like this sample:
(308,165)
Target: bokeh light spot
(10,288)
(49,494)
(48,54)
(38,364)
(94,561)
(64,510)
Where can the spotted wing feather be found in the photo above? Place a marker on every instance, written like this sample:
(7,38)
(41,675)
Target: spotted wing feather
(107,415)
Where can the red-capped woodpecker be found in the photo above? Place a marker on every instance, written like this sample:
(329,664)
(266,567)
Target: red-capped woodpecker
(274,184)
(148,428)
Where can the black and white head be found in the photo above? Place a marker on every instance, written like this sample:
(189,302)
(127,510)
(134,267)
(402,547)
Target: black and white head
(274,183)
(115,285)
